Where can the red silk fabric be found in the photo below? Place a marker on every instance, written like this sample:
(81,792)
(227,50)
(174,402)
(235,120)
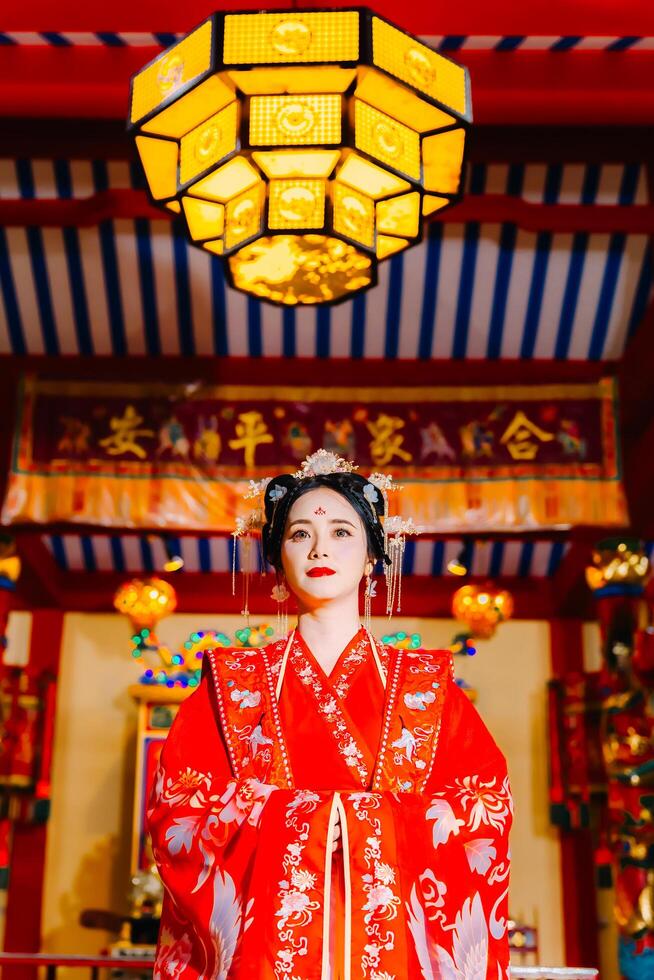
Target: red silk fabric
(418,886)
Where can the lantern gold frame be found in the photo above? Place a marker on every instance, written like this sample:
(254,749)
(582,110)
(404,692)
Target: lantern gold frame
(302,146)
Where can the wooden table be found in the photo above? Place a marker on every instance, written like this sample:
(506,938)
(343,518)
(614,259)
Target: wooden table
(52,961)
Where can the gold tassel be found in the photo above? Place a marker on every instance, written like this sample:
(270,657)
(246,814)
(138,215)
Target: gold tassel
(281,595)
(396,546)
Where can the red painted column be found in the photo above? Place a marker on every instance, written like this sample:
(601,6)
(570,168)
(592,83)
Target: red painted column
(27,859)
(580,923)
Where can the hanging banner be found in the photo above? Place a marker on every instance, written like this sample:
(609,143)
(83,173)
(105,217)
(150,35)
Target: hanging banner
(180,457)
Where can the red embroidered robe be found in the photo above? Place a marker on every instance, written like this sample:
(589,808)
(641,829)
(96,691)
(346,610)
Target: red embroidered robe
(249,789)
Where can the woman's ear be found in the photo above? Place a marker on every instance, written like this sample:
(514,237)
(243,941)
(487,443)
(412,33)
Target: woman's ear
(369,567)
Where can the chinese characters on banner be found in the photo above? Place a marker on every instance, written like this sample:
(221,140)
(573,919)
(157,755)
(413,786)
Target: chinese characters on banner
(152,455)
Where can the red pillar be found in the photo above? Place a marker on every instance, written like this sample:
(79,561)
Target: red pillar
(581,927)
(27,859)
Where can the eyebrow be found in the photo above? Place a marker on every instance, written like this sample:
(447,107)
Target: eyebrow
(334,520)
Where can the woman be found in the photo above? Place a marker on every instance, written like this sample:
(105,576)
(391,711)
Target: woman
(327,806)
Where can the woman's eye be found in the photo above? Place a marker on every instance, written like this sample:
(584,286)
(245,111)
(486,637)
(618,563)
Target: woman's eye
(297,535)
(343,532)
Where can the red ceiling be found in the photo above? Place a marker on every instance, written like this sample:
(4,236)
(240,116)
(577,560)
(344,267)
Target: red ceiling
(547,17)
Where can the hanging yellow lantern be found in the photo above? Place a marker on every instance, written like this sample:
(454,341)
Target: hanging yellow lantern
(302,146)
(481,609)
(145,602)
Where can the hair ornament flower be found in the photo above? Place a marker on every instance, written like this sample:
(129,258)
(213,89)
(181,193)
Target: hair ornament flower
(321,463)
(250,522)
(256,488)
(398,526)
(370,493)
(277,492)
(383,482)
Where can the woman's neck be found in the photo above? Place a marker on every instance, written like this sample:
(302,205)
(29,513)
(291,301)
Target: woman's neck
(328,629)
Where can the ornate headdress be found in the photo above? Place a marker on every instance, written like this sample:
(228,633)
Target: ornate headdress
(270,492)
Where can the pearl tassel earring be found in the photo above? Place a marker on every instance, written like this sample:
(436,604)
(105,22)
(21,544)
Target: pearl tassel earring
(369,594)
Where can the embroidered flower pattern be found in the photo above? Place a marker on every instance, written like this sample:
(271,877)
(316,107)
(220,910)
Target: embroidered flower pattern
(203,832)
(331,712)
(189,787)
(358,655)
(173,955)
(296,904)
(381,903)
(485,802)
(412,752)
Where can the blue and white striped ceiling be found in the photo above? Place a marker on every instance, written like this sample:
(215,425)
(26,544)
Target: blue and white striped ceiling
(443,42)
(137,554)
(468,291)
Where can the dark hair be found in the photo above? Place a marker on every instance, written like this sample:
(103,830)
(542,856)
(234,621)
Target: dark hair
(282,492)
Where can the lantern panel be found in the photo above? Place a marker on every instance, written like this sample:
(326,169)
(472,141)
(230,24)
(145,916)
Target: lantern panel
(431,203)
(370,179)
(191,109)
(401,103)
(280,38)
(354,214)
(388,246)
(407,59)
(389,141)
(174,206)
(208,143)
(442,157)
(400,215)
(244,216)
(296,163)
(296,204)
(232,179)
(283,81)
(287,120)
(176,67)
(217,247)
(305,269)
(159,160)
(204,218)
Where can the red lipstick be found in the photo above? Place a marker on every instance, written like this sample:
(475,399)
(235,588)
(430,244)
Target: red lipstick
(320,570)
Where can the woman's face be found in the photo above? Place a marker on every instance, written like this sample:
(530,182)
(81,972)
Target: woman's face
(324,549)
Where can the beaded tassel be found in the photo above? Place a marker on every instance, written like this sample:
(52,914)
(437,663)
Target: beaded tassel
(281,595)
(396,546)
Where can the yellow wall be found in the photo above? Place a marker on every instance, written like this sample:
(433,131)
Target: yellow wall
(89,831)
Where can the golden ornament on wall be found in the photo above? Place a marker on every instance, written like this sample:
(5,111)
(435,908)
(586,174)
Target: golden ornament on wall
(618,562)
(482,609)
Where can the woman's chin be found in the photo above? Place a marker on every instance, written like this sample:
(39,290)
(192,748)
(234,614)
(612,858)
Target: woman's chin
(323,588)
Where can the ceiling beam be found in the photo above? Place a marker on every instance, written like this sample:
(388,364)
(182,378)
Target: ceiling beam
(636,219)
(212,593)
(305,370)
(41,582)
(546,17)
(528,143)
(635,378)
(570,594)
